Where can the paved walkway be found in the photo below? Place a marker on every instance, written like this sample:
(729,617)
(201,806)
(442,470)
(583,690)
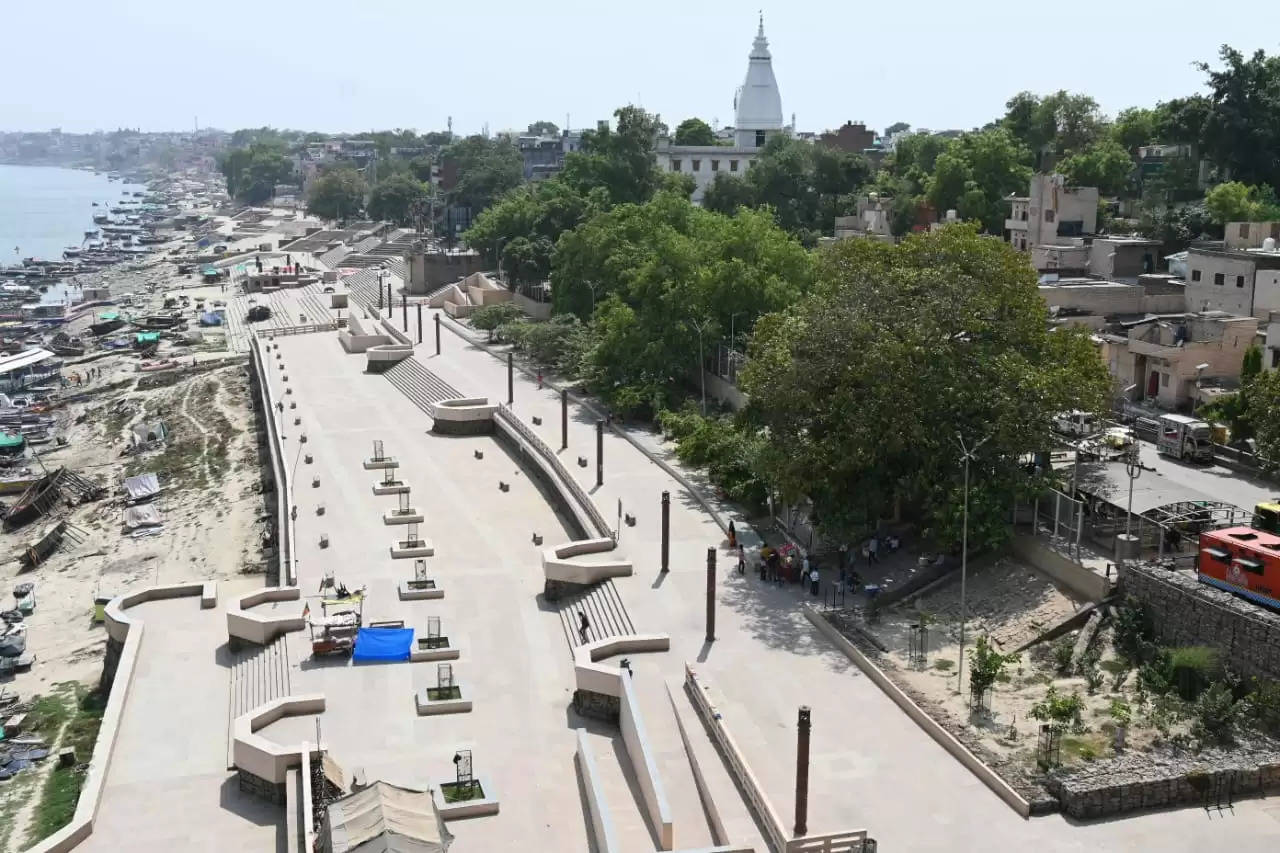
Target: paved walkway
(873,768)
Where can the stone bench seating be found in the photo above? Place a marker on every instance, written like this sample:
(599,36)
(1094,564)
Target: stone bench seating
(260,628)
(381,356)
(264,758)
(564,563)
(463,416)
(598,678)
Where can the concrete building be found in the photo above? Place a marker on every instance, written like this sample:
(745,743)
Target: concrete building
(870,220)
(1161,357)
(1053,214)
(1237,281)
(852,137)
(1250,235)
(757,117)
(543,156)
(431,266)
(1095,302)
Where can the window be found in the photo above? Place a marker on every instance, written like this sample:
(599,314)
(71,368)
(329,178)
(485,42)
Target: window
(675,165)
(1195,275)
(1024,215)
(1218,278)
(696,165)
(1218,555)
(1048,216)
(1164,380)
(1244,230)
(1275,358)
(759,138)
(733,165)
(715,165)
(1253,567)
(1239,281)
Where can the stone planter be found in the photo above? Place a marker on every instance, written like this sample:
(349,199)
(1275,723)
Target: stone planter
(479,806)
(415,591)
(405,548)
(413,516)
(377,464)
(395,487)
(441,700)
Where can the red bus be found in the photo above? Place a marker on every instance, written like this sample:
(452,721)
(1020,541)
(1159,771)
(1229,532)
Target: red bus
(1243,561)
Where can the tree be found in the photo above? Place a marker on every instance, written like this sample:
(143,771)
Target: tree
(487,168)
(863,386)
(538,212)
(393,198)
(1056,125)
(544,128)
(975,173)
(1237,202)
(253,172)
(489,317)
(1105,165)
(420,169)
(1134,127)
(694,131)
(1264,405)
(338,194)
(1059,711)
(1181,121)
(897,127)
(986,665)
(1242,128)
(726,193)
(620,161)
(1176,227)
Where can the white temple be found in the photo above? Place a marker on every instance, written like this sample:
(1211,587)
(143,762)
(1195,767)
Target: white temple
(758,116)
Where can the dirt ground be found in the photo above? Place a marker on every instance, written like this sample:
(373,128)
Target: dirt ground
(214,513)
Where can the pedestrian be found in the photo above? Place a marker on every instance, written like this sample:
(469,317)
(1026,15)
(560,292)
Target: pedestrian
(583,625)
(733,535)
(539,380)
(866,553)
(814,579)
(844,555)
(873,549)
(742,560)
(806,565)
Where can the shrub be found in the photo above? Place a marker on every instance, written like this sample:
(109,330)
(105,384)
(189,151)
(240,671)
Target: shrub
(1192,669)
(1059,711)
(729,453)
(1062,652)
(1093,676)
(1263,706)
(1216,713)
(1120,712)
(1133,632)
(489,317)
(986,665)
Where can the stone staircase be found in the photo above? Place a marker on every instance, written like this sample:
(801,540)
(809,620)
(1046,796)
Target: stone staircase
(420,385)
(605,611)
(258,675)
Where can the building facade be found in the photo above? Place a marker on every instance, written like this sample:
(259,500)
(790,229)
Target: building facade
(1053,214)
(757,117)
(1240,282)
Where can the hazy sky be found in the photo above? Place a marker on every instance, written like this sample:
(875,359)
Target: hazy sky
(359,64)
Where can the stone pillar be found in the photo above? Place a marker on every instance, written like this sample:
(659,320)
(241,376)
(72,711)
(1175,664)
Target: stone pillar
(437,318)
(711,594)
(599,453)
(666,531)
(511,382)
(802,771)
(564,419)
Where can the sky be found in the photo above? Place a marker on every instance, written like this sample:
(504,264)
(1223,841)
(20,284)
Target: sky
(355,65)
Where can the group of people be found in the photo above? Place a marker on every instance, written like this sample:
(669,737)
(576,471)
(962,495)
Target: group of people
(76,380)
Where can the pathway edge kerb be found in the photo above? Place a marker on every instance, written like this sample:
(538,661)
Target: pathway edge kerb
(453,326)
(130,631)
(931,727)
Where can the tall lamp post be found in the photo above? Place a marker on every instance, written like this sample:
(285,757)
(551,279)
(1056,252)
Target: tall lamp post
(967,455)
(702,368)
(591,285)
(1195,401)
(1132,468)
(733,343)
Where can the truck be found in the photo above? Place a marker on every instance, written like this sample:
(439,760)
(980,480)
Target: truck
(1076,423)
(1184,437)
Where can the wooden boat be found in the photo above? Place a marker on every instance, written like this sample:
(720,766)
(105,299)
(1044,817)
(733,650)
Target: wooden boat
(65,345)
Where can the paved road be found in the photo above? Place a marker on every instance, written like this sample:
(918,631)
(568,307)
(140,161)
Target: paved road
(1216,480)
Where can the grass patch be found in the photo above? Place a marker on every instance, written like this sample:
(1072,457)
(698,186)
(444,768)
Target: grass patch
(83,717)
(436,694)
(943,664)
(1086,747)
(461,792)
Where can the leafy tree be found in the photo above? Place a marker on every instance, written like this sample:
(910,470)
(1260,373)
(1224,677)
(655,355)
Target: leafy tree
(1242,128)
(1133,128)
(338,194)
(1105,165)
(1264,406)
(619,161)
(863,385)
(721,446)
(897,127)
(694,131)
(489,317)
(393,198)
(253,172)
(1181,121)
(986,665)
(420,169)
(974,175)
(1176,227)
(1058,124)
(726,193)
(1215,714)
(1059,711)
(1237,202)
(527,261)
(544,128)
(487,168)
(537,213)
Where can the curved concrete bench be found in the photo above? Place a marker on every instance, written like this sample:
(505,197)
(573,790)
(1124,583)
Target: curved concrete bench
(384,356)
(264,758)
(561,563)
(463,416)
(590,675)
(118,624)
(242,624)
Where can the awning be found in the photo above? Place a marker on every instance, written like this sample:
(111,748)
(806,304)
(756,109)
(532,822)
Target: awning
(26,358)
(385,818)
(383,644)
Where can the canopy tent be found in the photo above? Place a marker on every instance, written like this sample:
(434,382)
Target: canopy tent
(12,444)
(383,644)
(384,818)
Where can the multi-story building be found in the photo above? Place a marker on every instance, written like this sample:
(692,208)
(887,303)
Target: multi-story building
(1245,281)
(855,138)
(757,117)
(1053,214)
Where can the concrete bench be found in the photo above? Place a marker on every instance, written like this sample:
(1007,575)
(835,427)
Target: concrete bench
(264,758)
(564,563)
(209,595)
(243,624)
(463,416)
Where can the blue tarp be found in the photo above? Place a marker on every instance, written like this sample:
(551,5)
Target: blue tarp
(209,318)
(383,644)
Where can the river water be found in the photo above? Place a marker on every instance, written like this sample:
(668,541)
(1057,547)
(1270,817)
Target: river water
(44,209)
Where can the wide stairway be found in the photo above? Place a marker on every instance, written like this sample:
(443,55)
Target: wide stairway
(420,385)
(606,614)
(258,675)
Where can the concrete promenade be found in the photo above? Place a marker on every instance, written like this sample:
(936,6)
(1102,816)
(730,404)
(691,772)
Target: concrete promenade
(872,767)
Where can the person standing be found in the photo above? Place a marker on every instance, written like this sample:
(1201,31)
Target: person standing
(873,549)
(733,535)
(742,560)
(583,625)
(814,580)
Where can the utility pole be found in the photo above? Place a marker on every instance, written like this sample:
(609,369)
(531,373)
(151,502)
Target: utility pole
(511,386)
(599,453)
(964,553)
(564,419)
(404,312)
(702,368)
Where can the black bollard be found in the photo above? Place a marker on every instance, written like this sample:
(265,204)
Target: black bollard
(666,531)
(511,382)
(599,453)
(419,322)
(564,419)
(437,316)
(404,312)
(711,594)
(802,772)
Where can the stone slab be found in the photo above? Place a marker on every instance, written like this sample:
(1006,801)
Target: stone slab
(409,594)
(394,489)
(411,517)
(424,548)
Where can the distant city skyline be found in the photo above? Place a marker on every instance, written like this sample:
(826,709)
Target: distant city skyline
(339,67)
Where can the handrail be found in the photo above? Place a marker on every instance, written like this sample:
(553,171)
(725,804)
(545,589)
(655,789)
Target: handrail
(571,484)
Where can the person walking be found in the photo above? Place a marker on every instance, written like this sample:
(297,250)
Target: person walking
(742,560)
(583,625)
(733,535)
(814,580)
(873,550)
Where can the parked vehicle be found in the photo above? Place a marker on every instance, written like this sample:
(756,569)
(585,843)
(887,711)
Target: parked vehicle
(1077,423)
(1266,516)
(1183,437)
(1242,561)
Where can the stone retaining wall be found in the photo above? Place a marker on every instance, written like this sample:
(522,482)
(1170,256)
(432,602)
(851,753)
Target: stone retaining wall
(1185,612)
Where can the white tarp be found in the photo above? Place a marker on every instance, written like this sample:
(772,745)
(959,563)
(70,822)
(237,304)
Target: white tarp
(143,515)
(142,486)
(384,818)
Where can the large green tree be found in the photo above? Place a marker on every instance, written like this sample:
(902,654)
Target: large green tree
(337,194)
(253,172)
(974,175)
(393,198)
(1105,165)
(544,128)
(863,387)
(1238,202)
(618,160)
(1053,126)
(487,168)
(694,131)
(1242,128)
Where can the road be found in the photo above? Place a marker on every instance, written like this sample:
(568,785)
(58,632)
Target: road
(1216,480)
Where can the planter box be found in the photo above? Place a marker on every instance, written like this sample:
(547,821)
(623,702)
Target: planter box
(408,593)
(410,517)
(396,488)
(385,462)
(402,549)
(483,807)
(429,707)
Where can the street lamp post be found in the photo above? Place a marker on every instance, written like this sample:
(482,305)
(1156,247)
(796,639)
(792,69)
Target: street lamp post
(733,341)
(1133,468)
(702,370)
(592,286)
(1195,401)
(967,456)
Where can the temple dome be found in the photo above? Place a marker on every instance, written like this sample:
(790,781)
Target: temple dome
(758,104)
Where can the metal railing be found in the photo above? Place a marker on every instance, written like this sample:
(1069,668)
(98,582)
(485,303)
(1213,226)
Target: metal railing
(569,483)
(284,492)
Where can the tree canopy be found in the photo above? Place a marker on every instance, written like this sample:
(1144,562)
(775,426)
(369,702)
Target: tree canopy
(1238,202)
(544,128)
(975,173)
(487,168)
(393,198)
(1105,164)
(694,131)
(253,172)
(619,161)
(863,386)
(1242,127)
(337,194)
